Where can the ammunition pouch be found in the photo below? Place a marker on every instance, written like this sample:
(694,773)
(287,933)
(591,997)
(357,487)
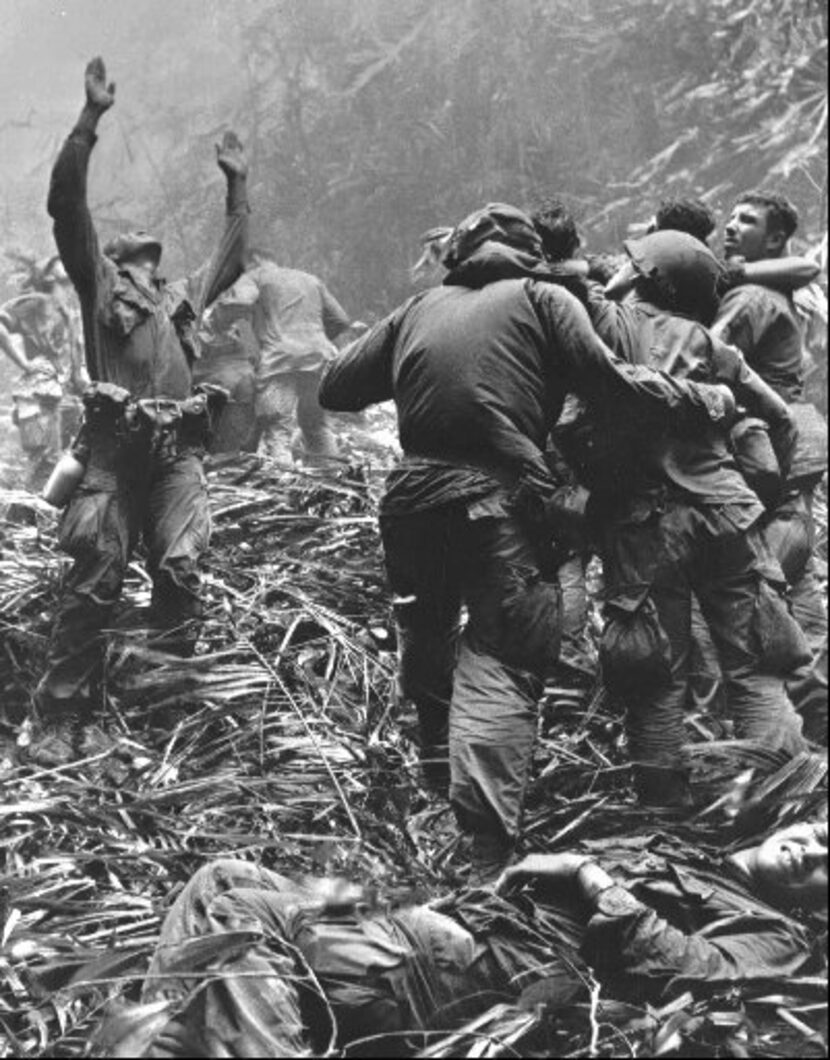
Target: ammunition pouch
(635,652)
(105,406)
(115,423)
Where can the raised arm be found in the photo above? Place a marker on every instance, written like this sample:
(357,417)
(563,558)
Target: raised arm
(228,260)
(75,234)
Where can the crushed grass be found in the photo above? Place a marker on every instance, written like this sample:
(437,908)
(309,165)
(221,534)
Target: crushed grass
(283,741)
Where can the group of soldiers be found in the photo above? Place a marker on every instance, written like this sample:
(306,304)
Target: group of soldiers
(647,408)
(673,390)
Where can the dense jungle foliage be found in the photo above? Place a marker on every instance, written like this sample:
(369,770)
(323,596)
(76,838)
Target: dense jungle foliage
(368,122)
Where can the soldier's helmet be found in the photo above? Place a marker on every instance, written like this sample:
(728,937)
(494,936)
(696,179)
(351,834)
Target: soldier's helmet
(497,222)
(127,244)
(429,268)
(683,271)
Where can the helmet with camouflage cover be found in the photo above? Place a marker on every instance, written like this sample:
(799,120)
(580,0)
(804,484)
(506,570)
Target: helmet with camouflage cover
(681,269)
(497,222)
(126,245)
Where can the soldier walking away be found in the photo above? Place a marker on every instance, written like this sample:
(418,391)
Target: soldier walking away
(296,321)
(144,434)
(478,369)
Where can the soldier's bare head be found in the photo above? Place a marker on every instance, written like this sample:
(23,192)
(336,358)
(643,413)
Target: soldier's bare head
(557,228)
(692,216)
(759,226)
(790,866)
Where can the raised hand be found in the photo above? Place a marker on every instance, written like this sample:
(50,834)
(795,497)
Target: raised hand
(230,156)
(99,94)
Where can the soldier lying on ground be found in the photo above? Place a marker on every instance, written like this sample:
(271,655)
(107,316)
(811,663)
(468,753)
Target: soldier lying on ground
(251,963)
(145,431)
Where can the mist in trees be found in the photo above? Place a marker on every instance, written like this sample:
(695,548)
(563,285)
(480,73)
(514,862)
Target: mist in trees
(368,122)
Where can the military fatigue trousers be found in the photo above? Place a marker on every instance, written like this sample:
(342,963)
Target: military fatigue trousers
(288,402)
(478,687)
(235,955)
(656,554)
(165,501)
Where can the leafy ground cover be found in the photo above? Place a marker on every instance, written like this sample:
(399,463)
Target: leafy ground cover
(284,740)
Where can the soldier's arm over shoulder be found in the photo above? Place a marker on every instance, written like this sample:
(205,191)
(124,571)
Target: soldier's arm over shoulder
(588,367)
(587,363)
(784,274)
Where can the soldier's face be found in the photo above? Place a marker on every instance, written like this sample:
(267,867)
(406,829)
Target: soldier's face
(146,261)
(793,862)
(747,234)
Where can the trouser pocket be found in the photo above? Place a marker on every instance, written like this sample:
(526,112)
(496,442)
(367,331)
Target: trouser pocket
(635,652)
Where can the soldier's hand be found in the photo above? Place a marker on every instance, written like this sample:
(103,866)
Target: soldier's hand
(230,156)
(541,866)
(99,94)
